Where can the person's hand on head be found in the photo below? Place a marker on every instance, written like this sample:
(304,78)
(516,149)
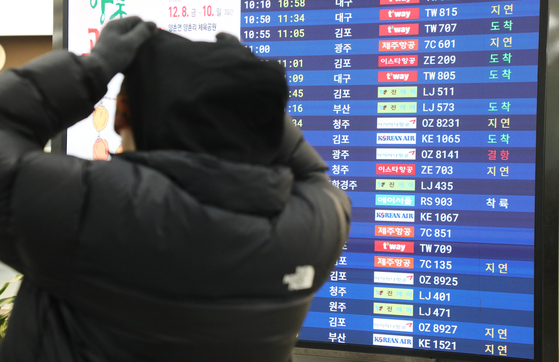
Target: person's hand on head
(227,38)
(119,42)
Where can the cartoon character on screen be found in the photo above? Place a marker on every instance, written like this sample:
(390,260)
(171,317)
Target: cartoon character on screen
(101,146)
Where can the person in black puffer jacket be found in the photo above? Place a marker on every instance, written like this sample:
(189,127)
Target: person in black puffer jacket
(205,244)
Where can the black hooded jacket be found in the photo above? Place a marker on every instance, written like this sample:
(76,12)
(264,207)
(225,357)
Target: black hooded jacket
(157,255)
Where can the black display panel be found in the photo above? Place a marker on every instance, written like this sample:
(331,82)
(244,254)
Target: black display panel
(426,113)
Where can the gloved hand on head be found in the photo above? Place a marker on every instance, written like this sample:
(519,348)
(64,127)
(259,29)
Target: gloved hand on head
(118,44)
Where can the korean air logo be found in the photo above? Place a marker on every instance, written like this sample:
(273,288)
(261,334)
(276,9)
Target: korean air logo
(389,340)
(396,138)
(391,215)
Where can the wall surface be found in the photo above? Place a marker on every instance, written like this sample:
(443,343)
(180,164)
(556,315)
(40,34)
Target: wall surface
(19,50)
(29,17)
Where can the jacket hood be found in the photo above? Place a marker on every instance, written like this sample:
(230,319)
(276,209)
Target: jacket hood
(239,187)
(215,98)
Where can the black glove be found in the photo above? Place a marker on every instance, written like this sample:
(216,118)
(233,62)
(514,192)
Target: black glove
(118,44)
(227,38)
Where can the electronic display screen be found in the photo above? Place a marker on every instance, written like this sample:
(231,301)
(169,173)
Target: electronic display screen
(425,112)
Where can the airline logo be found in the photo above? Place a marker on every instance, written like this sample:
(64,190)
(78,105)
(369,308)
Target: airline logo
(397,76)
(393,278)
(396,122)
(391,215)
(397,92)
(388,340)
(398,29)
(396,154)
(397,60)
(396,138)
(398,45)
(395,169)
(393,293)
(394,200)
(393,309)
(393,262)
(394,246)
(398,14)
(389,2)
(397,107)
(395,231)
(395,185)
(395,325)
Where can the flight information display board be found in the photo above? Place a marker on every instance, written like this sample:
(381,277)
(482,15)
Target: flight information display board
(425,112)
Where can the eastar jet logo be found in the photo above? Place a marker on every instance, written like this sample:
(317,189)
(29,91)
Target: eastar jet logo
(399,29)
(397,61)
(392,341)
(394,246)
(395,14)
(410,76)
(395,169)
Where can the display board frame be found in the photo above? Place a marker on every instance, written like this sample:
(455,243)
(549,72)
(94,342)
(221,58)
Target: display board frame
(546,273)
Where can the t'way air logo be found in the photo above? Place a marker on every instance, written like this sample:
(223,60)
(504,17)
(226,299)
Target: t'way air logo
(394,246)
(397,76)
(391,2)
(398,29)
(393,309)
(393,293)
(398,14)
(395,185)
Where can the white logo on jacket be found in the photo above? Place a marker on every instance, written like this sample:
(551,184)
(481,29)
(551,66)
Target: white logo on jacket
(302,279)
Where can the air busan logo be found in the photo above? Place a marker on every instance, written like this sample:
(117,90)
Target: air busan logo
(392,341)
(399,29)
(394,246)
(396,138)
(390,215)
(396,14)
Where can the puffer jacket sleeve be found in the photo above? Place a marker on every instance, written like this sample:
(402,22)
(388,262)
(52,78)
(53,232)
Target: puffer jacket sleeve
(313,185)
(41,195)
